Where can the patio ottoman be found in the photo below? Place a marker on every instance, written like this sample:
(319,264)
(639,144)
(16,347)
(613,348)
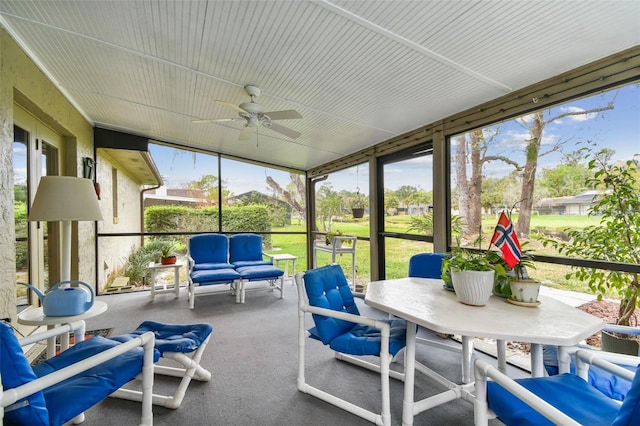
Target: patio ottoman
(268,273)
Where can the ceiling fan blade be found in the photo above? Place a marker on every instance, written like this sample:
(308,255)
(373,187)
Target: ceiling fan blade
(213,120)
(285,131)
(246,133)
(288,114)
(230,106)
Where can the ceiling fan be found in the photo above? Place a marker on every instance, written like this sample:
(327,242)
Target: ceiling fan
(253,115)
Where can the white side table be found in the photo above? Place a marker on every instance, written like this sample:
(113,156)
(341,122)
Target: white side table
(285,257)
(341,245)
(36,316)
(155,267)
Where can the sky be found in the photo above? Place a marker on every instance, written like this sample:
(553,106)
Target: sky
(618,129)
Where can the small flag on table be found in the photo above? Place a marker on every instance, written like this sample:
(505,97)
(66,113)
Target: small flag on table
(506,240)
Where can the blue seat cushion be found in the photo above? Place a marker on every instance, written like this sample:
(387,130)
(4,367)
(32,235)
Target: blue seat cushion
(69,398)
(182,338)
(16,371)
(214,276)
(365,340)
(209,248)
(244,263)
(426,265)
(259,272)
(212,265)
(629,413)
(568,393)
(245,247)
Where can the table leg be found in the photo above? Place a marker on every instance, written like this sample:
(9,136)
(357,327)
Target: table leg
(176,281)
(537,363)
(564,360)
(153,284)
(467,351)
(409,375)
(501,347)
(293,271)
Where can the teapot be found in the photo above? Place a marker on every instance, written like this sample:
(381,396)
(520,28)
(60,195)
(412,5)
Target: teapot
(65,301)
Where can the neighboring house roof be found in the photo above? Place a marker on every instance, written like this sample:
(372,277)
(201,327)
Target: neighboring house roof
(584,198)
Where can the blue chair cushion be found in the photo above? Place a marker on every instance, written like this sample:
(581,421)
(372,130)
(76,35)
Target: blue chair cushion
(182,338)
(209,248)
(16,371)
(245,247)
(214,276)
(327,288)
(609,384)
(629,413)
(568,393)
(259,272)
(212,265)
(365,340)
(92,386)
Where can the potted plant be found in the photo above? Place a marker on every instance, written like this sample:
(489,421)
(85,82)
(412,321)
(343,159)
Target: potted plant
(357,203)
(524,290)
(471,274)
(337,233)
(614,238)
(167,256)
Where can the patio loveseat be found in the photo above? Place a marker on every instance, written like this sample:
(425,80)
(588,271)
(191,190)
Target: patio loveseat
(217,259)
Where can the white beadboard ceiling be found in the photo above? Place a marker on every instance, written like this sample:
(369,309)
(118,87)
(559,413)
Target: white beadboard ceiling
(359,72)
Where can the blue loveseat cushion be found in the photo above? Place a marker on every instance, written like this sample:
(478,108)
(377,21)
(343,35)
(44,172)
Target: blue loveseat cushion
(209,248)
(211,265)
(16,371)
(259,272)
(246,250)
(182,338)
(568,393)
(67,399)
(214,276)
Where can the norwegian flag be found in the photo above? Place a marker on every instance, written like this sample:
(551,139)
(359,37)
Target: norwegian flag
(506,240)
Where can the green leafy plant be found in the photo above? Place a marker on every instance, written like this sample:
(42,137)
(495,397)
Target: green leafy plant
(167,250)
(616,238)
(337,233)
(466,260)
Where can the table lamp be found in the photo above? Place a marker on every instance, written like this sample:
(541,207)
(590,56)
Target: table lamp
(65,199)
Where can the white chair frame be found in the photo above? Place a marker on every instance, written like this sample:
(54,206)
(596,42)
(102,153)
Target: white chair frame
(147,340)
(584,358)
(382,418)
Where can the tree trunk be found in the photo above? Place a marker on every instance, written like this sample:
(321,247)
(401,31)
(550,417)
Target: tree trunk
(529,176)
(475,188)
(461,182)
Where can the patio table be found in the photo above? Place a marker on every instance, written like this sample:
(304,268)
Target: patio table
(425,302)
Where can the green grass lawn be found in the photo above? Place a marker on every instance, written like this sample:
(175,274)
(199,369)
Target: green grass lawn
(398,252)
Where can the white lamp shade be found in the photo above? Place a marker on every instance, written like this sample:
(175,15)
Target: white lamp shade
(65,198)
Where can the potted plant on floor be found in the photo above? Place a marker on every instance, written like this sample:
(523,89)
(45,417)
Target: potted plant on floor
(615,238)
(167,255)
(471,274)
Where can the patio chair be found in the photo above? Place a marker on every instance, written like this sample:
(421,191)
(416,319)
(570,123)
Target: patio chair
(208,264)
(338,324)
(63,387)
(565,399)
(183,344)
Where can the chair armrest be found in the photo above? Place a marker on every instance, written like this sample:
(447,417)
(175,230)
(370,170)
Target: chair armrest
(484,370)
(614,328)
(77,327)
(605,360)
(190,263)
(147,340)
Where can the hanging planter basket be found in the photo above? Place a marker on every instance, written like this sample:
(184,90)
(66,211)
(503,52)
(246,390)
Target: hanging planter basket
(357,213)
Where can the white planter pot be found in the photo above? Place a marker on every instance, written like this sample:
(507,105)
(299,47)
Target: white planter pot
(525,291)
(473,287)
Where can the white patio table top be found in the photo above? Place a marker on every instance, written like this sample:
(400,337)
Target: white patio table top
(425,302)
